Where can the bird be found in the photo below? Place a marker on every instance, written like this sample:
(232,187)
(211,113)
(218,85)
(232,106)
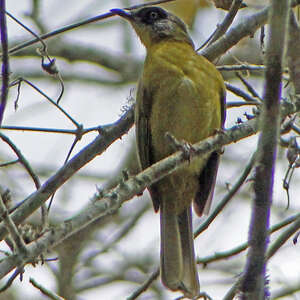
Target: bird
(182,94)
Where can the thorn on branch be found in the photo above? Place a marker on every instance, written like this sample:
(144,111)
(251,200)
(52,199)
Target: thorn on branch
(295,239)
(227,186)
(102,131)
(125,175)
(99,191)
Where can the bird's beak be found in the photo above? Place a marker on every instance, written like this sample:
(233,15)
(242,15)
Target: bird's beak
(122,13)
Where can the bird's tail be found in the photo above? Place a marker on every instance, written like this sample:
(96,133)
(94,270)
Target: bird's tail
(178,266)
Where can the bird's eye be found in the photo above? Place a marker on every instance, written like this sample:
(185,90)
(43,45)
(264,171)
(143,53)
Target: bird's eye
(153,15)
(149,15)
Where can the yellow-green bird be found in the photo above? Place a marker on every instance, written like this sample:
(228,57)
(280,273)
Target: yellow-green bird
(182,93)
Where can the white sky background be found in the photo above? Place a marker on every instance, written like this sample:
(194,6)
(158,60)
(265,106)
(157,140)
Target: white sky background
(94,105)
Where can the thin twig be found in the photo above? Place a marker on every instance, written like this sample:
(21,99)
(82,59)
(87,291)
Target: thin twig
(68,28)
(20,80)
(240,103)
(36,15)
(272,249)
(244,67)
(22,160)
(119,235)
(242,247)
(45,291)
(29,30)
(95,148)
(247,27)
(287,289)
(144,286)
(48,130)
(240,93)
(59,31)
(5,61)
(30,171)
(222,28)
(288,233)
(227,197)
(9,163)
(49,67)
(248,86)
(18,271)
(19,244)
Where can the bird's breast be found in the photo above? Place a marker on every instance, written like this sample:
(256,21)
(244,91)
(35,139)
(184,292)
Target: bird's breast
(185,97)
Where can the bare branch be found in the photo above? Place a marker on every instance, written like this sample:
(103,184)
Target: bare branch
(253,283)
(45,291)
(144,286)
(227,197)
(5,62)
(19,244)
(223,27)
(22,160)
(247,27)
(241,93)
(105,203)
(109,134)
(287,234)
(242,247)
(67,28)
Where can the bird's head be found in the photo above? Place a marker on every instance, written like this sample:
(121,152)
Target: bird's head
(153,24)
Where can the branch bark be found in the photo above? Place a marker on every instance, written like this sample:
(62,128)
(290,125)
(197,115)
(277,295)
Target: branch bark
(247,27)
(5,63)
(253,284)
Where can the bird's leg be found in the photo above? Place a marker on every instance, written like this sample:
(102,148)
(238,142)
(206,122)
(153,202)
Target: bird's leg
(185,147)
(220,131)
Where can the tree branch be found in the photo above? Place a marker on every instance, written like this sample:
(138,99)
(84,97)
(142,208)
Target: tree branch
(247,27)
(253,283)
(5,63)
(108,134)
(105,203)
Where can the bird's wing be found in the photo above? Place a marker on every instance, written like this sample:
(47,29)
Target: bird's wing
(223,107)
(142,130)
(208,176)
(143,136)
